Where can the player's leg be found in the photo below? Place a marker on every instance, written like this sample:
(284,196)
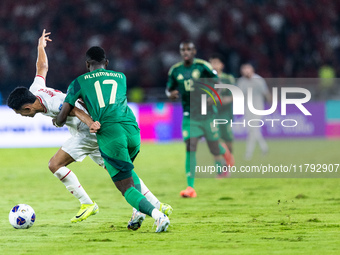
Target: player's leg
(251,142)
(122,143)
(230,146)
(74,149)
(137,217)
(190,165)
(192,131)
(164,208)
(212,135)
(262,143)
(226,134)
(57,165)
(138,201)
(219,156)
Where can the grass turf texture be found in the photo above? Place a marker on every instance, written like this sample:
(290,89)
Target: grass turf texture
(229,216)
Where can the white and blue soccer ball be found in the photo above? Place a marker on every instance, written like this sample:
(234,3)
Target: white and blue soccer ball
(22,216)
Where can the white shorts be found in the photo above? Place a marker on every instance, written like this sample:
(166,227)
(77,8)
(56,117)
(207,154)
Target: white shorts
(78,147)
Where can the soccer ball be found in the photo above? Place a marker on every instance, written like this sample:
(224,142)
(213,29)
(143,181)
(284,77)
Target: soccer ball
(22,216)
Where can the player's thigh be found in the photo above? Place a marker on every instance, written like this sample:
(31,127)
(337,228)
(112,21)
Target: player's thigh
(133,140)
(97,157)
(79,146)
(115,152)
(226,132)
(191,128)
(211,132)
(60,159)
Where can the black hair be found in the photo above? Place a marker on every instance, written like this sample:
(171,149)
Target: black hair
(217,56)
(95,53)
(19,97)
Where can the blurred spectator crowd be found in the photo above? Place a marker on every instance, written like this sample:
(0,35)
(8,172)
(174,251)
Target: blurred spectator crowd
(282,38)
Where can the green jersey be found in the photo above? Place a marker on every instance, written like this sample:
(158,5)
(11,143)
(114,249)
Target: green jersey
(104,93)
(183,78)
(226,110)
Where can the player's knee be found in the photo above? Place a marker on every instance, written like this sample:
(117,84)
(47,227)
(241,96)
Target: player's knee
(191,144)
(53,166)
(214,148)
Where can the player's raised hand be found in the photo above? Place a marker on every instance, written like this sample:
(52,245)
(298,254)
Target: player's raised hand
(44,38)
(94,127)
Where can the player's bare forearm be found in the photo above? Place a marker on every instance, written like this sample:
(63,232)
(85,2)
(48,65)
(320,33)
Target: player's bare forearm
(61,118)
(226,99)
(173,94)
(42,61)
(84,117)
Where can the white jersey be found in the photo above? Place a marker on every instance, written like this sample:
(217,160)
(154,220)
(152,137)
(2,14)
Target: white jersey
(52,100)
(260,89)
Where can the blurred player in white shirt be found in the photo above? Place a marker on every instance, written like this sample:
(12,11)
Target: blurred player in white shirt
(47,101)
(260,93)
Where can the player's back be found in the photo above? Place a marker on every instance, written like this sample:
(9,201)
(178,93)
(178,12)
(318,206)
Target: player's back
(52,100)
(104,93)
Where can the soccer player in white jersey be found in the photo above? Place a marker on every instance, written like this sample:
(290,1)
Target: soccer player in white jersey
(47,101)
(260,93)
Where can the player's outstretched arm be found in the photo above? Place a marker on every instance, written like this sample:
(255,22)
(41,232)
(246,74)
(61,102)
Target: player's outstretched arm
(84,117)
(61,118)
(42,61)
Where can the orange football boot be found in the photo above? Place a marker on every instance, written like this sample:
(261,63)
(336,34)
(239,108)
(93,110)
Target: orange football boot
(188,192)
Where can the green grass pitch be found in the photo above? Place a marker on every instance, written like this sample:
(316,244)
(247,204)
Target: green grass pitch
(229,216)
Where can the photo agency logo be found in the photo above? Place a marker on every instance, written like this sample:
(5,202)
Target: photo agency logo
(258,117)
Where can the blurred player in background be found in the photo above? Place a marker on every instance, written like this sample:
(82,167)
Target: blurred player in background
(225,111)
(181,81)
(261,93)
(47,101)
(104,93)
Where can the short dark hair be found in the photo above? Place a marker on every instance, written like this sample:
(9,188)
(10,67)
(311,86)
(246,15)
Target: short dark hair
(95,53)
(217,56)
(19,97)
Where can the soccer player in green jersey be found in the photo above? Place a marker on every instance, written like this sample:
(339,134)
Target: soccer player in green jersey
(181,80)
(225,111)
(104,94)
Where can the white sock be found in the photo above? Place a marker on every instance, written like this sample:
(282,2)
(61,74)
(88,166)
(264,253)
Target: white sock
(149,196)
(72,184)
(156,214)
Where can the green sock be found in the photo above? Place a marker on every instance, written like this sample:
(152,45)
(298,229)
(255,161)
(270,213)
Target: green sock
(136,181)
(138,201)
(219,165)
(190,165)
(222,149)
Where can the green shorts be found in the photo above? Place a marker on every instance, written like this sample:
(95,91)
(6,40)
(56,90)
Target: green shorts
(198,128)
(226,133)
(119,145)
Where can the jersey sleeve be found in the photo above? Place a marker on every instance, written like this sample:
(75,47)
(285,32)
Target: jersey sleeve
(172,83)
(209,71)
(73,92)
(231,79)
(38,83)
